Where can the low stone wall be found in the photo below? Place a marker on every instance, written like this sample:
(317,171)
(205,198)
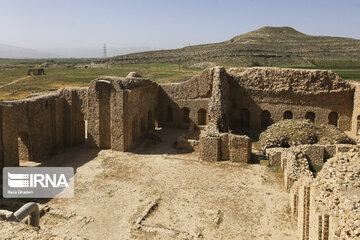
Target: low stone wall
(240,148)
(316,154)
(226,146)
(209,148)
(274,155)
(328,206)
(295,166)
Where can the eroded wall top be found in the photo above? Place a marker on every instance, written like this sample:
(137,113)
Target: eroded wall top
(288,80)
(126,83)
(199,86)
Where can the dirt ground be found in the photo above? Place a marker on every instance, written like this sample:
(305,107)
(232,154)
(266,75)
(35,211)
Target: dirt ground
(159,192)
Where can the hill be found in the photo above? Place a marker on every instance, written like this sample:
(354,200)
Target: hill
(267,46)
(8,51)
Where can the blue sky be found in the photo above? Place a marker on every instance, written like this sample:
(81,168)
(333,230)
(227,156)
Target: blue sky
(165,24)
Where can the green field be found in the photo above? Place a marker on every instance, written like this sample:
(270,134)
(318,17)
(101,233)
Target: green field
(15,84)
(57,77)
(349,70)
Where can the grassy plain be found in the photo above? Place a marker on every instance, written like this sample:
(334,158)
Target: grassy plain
(57,77)
(15,84)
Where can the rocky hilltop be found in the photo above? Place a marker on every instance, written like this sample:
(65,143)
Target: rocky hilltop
(267,46)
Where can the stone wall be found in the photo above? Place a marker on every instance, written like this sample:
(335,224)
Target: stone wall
(186,102)
(325,206)
(33,128)
(140,111)
(355,127)
(316,154)
(120,111)
(261,96)
(210,148)
(226,146)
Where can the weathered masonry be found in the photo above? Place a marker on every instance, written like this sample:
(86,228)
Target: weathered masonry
(120,112)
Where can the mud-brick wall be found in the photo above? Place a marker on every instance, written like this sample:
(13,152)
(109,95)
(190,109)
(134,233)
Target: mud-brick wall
(193,94)
(105,115)
(256,93)
(255,102)
(355,126)
(31,129)
(98,114)
(75,108)
(139,114)
(120,112)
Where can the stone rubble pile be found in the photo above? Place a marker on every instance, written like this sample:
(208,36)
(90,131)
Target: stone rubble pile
(293,132)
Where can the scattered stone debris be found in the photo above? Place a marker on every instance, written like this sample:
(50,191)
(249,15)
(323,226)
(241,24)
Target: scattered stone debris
(293,132)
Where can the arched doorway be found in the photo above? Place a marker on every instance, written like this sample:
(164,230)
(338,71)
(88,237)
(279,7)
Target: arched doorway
(244,118)
(202,116)
(169,117)
(333,119)
(265,119)
(288,115)
(310,116)
(186,115)
(23,146)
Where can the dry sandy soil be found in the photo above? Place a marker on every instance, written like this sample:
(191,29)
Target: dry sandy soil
(159,192)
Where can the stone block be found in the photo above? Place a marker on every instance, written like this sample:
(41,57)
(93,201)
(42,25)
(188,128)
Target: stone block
(210,148)
(240,148)
(274,155)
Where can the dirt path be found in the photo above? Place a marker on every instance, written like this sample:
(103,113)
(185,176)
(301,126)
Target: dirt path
(155,195)
(15,81)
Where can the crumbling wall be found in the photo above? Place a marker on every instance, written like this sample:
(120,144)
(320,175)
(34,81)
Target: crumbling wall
(274,155)
(33,128)
(225,146)
(75,99)
(120,111)
(218,104)
(325,206)
(193,95)
(355,126)
(209,148)
(240,148)
(288,93)
(140,108)
(328,206)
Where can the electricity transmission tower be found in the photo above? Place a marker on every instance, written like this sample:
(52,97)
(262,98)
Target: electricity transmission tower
(104,53)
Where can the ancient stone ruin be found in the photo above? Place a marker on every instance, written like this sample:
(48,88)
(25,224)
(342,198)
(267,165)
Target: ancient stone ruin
(36,71)
(218,106)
